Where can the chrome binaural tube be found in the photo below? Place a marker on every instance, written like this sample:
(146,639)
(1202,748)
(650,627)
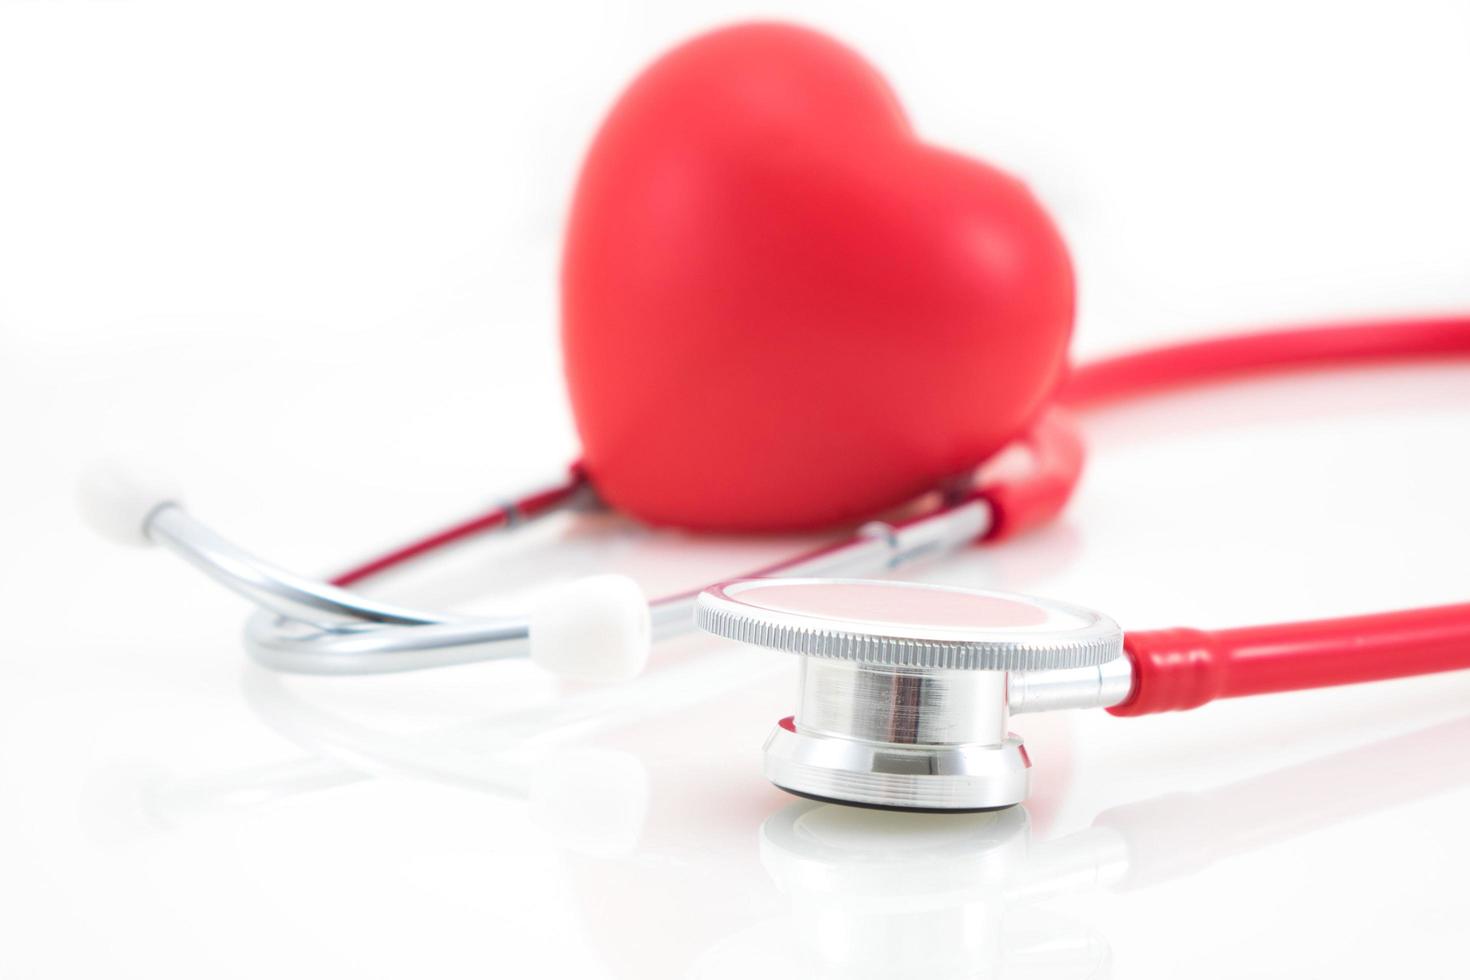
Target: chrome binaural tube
(309,626)
(271,588)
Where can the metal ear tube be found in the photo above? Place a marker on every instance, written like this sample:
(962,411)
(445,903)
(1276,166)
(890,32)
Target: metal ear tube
(903,700)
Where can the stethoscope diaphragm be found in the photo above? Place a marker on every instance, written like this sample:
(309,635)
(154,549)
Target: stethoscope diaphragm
(903,686)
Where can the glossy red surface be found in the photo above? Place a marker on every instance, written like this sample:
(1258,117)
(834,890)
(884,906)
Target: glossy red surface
(1178,669)
(781,309)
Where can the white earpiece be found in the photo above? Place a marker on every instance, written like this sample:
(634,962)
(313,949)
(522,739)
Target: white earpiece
(116,499)
(593,629)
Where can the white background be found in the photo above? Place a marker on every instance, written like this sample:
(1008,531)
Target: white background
(306,252)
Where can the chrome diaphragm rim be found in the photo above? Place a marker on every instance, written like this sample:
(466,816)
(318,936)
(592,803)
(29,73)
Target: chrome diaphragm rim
(951,778)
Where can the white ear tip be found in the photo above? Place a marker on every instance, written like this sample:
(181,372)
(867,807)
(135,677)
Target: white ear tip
(593,629)
(115,499)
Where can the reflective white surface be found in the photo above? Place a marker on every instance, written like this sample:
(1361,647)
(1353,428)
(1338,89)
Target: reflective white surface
(306,253)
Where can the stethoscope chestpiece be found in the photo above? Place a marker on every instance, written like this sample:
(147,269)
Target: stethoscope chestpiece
(902,704)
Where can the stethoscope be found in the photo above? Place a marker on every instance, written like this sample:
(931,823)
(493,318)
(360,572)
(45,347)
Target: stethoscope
(905,688)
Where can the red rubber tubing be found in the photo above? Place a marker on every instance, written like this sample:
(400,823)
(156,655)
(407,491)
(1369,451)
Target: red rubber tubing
(1035,496)
(1178,669)
(1020,502)
(501,516)
(1223,358)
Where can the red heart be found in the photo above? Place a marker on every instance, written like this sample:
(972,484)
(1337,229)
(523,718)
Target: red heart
(780,309)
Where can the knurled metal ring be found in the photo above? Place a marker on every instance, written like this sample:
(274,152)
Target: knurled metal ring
(908,624)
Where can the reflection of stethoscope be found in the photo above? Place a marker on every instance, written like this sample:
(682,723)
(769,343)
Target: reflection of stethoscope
(906,689)
(868,891)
